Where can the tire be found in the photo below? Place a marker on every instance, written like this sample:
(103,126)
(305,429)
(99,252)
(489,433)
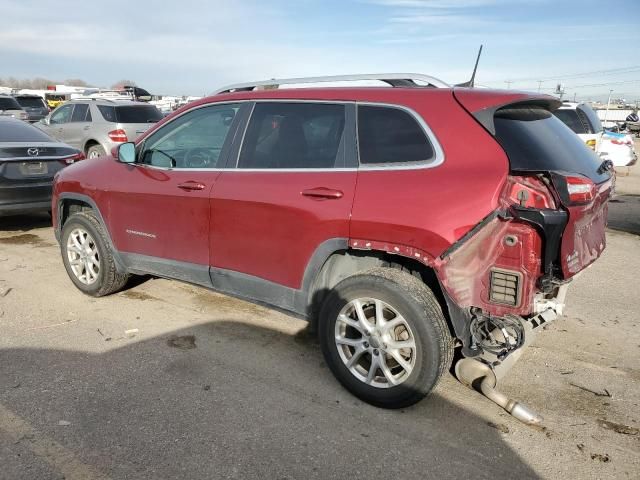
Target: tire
(95,151)
(103,278)
(412,307)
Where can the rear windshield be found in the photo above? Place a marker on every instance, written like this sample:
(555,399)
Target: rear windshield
(138,114)
(9,103)
(37,102)
(535,140)
(19,131)
(571,119)
(130,114)
(592,116)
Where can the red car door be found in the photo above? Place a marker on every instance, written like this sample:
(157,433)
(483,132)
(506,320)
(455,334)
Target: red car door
(292,190)
(160,206)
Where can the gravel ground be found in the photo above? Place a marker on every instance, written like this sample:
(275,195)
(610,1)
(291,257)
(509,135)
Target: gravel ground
(167,380)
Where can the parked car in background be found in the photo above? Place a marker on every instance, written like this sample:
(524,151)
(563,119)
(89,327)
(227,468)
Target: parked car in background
(95,126)
(584,121)
(28,161)
(9,107)
(54,98)
(359,209)
(619,148)
(34,105)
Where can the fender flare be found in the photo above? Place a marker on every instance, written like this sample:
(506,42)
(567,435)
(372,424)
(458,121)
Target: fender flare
(120,264)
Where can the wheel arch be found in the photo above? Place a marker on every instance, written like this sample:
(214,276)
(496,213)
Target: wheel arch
(328,266)
(90,143)
(70,203)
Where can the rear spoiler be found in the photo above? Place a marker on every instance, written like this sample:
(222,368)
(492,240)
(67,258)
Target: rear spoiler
(483,104)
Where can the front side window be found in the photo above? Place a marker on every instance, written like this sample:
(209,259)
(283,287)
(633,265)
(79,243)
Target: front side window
(62,114)
(293,135)
(193,140)
(388,135)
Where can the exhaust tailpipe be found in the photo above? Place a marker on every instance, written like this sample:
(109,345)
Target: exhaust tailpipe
(479,376)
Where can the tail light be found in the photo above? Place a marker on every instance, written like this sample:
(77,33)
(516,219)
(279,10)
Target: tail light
(118,135)
(591,144)
(623,141)
(581,190)
(74,158)
(530,192)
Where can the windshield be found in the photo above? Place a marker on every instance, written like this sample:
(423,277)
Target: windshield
(9,103)
(535,140)
(37,102)
(138,114)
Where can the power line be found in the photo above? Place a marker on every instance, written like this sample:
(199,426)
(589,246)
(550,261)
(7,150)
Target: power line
(613,71)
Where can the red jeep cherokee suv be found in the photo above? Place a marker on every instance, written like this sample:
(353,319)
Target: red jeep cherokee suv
(406,219)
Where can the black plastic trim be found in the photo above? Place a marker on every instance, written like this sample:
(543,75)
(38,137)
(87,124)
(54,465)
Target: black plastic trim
(551,224)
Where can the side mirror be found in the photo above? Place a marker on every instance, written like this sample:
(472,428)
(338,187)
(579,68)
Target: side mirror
(45,121)
(127,152)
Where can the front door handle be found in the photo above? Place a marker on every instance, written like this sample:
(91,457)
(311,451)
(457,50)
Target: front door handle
(190,186)
(322,193)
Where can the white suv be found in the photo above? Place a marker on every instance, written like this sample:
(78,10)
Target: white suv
(581,118)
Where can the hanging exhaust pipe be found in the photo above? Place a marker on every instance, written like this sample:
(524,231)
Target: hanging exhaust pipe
(480,376)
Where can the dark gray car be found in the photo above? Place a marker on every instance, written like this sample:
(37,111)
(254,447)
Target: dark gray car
(29,159)
(34,105)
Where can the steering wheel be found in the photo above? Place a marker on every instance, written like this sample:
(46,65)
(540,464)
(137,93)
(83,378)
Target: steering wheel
(199,158)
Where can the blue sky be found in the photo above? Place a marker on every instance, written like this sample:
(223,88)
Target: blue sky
(193,47)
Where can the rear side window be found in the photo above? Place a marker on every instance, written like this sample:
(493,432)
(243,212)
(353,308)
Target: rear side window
(108,113)
(293,135)
(80,112)
(138,114)
(9,103)
(535,140)
(388,135)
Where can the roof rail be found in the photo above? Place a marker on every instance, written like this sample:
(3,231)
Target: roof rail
(392,79)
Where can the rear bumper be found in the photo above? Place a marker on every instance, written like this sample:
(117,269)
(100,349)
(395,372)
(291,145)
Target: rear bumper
(24,207)
(21,199)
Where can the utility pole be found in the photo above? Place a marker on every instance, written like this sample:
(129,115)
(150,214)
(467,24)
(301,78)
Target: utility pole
(508,82)
(540,85)
(574,97)
(606,113)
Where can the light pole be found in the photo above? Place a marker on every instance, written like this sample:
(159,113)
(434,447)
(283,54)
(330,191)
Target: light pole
(606,113)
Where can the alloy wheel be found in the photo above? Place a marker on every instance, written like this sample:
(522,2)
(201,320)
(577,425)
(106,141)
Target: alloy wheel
(375,342)
(83,256)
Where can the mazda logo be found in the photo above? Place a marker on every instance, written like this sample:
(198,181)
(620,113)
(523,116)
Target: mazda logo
(33,152)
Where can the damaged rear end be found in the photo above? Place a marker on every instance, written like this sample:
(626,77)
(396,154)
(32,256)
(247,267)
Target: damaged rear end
(508,276)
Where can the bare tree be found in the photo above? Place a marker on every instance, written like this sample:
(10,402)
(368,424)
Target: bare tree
(123,83)
(76,82)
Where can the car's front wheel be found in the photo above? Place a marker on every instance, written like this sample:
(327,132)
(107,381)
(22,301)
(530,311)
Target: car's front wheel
(384,337)
(87,256)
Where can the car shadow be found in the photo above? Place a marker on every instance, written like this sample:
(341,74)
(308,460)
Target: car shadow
(24,223)
(224,399)
(624,213)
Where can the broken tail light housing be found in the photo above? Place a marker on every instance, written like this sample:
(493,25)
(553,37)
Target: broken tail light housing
(529,192)
(118,135)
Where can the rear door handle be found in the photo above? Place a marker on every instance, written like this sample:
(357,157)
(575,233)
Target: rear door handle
(190,186)
(322,192)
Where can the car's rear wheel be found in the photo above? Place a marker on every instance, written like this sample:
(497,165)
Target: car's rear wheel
(96,151)
(384,337)
(87,256)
